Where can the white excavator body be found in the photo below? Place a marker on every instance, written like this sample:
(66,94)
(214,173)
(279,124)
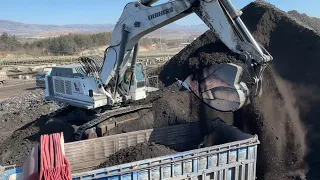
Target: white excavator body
(67,85)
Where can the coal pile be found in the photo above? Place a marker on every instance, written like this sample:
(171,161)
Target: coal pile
(294,76)
(136,153)
(205,50)
(311,22)
(280,116)
(18,125)
(22,109)
(19,110)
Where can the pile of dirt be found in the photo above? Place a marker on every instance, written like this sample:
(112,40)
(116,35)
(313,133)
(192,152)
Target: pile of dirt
(280,116)
(17,146)
(18,125)
(311,22)
(23,108)
(170,106)
(287,106)
(136,153)
(205,50)
(19,110)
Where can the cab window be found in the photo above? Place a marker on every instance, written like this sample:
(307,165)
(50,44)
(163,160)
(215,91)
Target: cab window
(140,76)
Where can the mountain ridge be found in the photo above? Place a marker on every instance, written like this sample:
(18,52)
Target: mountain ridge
(43,30)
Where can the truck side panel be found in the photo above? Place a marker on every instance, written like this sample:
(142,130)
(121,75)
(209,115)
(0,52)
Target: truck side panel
(87,154)
(231,161)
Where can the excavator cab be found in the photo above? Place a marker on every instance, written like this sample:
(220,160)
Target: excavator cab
(134,86)
(139,78)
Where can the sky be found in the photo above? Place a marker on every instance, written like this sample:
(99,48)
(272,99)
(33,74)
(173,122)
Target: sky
(62,12)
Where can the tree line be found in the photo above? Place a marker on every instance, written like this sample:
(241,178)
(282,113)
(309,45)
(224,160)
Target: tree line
(9,43)
(62,45)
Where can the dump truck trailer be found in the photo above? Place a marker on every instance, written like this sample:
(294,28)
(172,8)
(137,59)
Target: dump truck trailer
(234,159)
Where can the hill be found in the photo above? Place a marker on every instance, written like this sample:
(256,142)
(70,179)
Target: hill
(47,30)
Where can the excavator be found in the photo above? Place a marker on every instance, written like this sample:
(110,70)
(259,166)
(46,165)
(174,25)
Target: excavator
(110,83)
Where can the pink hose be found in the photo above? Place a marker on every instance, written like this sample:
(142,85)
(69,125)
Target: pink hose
(54,164)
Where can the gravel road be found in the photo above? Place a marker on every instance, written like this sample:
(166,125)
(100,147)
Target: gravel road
(12,90)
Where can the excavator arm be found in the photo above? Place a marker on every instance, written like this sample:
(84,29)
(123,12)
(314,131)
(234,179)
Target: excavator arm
(140,18)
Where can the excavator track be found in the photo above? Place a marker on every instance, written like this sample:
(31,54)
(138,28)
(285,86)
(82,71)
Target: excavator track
(59,111)
(105,116)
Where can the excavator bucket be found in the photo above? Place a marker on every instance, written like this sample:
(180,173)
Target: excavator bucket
(219,87)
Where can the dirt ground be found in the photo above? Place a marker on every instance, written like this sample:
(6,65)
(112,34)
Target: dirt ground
(10,82)
(19,116)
